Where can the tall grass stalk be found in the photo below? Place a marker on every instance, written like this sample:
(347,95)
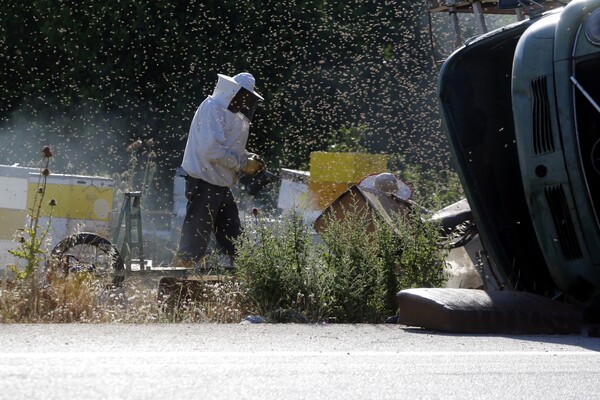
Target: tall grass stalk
(29,251)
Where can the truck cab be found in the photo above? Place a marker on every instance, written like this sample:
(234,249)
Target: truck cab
(520,109)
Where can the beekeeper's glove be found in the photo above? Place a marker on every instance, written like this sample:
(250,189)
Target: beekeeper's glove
(253,164)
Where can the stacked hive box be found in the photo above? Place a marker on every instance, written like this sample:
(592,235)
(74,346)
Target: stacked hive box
(83,203)
(331,174)
(13,208)
(292,191)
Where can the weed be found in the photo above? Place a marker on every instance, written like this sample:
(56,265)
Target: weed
(29,250)
(352,276)
(275,266)
(423,253)
(353,270)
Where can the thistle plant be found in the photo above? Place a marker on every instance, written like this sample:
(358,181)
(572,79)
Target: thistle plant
(31,241)
(33,236)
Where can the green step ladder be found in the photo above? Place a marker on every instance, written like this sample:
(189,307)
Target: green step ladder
(131,215)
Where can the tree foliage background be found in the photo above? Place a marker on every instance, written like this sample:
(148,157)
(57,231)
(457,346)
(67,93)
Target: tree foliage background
(90,76)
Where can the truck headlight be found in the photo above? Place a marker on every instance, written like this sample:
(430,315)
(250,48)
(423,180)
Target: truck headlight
(592,27)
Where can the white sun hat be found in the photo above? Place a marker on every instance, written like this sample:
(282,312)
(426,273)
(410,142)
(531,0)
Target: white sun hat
(244,79)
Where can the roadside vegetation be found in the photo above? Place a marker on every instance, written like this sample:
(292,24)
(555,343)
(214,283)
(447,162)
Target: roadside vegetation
(285,272)
(349,273)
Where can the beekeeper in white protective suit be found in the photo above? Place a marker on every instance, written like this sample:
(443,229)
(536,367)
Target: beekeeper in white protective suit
(215,156)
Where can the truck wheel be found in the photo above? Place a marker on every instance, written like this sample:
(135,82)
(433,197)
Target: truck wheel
(87,252)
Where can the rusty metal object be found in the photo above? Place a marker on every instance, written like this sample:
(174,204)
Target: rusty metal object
(480,311)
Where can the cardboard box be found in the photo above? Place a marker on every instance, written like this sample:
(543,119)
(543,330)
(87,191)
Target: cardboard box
(322,194)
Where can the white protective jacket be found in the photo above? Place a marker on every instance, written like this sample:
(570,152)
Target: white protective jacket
(216,146)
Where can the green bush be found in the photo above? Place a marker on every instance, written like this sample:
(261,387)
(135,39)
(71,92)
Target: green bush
(351,275)
(355,269)
(423,254)
(275,265)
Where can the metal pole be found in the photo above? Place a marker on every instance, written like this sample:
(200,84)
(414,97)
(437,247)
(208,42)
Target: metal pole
(126,248)
(137,214)
(479,18)
(454,21)
(520,14)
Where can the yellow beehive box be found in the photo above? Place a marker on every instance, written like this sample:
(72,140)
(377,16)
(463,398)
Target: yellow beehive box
(83,203)
(344,167)
(322,194)
(77,197)
(331,174)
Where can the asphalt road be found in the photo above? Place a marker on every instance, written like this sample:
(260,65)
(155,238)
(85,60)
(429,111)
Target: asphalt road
(276,361)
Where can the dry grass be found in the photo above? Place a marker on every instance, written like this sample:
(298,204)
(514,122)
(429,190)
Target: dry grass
(79,297)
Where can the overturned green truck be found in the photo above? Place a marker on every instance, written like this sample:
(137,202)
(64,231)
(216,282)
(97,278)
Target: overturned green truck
(521,111)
